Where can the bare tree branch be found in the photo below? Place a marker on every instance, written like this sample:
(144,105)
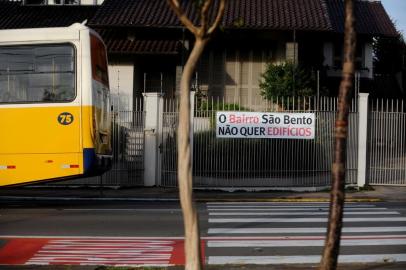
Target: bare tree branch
(337,197)
(174,4)
(219,16)
(204,13)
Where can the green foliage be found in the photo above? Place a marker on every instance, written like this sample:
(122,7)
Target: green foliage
(198,4)
(239,22)
(220,106)
(286,80)
(210,108)
(389,54)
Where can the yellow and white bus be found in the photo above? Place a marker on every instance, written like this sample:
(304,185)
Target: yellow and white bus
(54,104)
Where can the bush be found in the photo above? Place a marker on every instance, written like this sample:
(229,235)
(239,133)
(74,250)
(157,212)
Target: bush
(219,106)
(209,109)
(286,80)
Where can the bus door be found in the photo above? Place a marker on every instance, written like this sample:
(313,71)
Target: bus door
(101,97)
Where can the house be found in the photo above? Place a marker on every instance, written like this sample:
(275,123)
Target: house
(148,46)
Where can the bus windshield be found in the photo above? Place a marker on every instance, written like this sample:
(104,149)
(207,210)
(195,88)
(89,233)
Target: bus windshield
(37,73)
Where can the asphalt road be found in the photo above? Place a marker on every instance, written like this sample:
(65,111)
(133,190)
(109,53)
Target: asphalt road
(232,233)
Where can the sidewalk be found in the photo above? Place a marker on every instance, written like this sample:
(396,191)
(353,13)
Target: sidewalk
(379,193)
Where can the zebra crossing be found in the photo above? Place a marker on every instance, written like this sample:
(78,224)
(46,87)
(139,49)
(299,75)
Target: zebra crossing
(104,251)
(112,251)
(294,233)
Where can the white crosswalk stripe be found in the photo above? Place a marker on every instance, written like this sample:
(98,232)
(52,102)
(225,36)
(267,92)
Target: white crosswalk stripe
(302,230)
(285,209)
(290,220)
(375,258)
(304,243)
(283,233)
(300,213)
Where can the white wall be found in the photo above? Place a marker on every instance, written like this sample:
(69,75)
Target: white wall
(121,76)
(87,2)
(368,59)
(82,2)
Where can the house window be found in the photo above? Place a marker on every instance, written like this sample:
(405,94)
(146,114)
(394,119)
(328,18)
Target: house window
(233,74)
(339,55)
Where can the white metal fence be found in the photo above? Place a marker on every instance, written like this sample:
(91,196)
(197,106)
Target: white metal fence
(387,142)
(128,151)
(234,162)
(258,162)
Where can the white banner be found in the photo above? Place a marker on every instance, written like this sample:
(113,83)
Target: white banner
(265,125)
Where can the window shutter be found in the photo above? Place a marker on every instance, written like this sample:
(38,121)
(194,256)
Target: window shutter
(292,52)
(231,74)
(244,96)
(256,67)
(244,67)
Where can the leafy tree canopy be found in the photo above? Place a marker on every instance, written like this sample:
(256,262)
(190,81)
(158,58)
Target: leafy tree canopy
(389,54)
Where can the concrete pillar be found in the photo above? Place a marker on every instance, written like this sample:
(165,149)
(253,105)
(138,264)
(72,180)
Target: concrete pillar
(153,113)
(362,138)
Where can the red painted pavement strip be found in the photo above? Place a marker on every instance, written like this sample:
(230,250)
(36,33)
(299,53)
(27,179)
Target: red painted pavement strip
(18,251)
(178,254)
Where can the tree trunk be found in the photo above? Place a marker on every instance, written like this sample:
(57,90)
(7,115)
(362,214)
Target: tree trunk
(190,216)
(332,244)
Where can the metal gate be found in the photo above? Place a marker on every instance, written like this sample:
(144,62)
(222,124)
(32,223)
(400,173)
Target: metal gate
(387,142)
(168,143)
(128,151)
(258,162)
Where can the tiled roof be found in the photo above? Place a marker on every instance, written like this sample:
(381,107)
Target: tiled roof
(276,14)
(269,14)
(14,15)
(142,13)
(117,43)
(312,15)
(372,18)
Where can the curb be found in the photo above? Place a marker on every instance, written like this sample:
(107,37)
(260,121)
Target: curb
(24,198)
(280,199)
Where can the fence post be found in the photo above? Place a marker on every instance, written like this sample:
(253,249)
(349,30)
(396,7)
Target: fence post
(153,112)
(362,138)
